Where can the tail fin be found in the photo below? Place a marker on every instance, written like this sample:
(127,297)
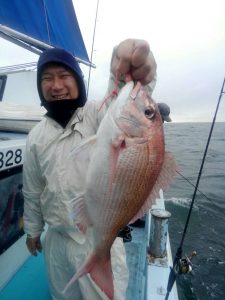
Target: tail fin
(101,273)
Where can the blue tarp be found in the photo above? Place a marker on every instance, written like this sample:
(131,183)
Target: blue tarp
(53,22)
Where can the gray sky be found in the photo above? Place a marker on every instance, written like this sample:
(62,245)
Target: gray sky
(187,38)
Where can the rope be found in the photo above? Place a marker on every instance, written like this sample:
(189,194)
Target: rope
(92,48)
(46,20)
(172,276)
(113,93)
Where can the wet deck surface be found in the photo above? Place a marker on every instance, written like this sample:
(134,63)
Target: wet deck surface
(30,283)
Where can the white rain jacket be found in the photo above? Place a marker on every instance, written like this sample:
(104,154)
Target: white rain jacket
(46,192)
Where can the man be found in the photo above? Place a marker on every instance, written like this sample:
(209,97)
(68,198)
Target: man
(48,189)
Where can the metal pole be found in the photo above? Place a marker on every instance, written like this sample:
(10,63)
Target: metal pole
(159,230)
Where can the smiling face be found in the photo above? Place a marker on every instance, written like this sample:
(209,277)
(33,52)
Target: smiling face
(58,83)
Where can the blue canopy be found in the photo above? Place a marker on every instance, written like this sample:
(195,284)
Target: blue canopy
(39,24)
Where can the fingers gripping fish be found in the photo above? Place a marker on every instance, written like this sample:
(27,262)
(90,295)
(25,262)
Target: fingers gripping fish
(128,166)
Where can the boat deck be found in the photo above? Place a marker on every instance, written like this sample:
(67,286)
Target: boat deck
(136,261)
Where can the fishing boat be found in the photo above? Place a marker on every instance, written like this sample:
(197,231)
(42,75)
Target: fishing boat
(23,276)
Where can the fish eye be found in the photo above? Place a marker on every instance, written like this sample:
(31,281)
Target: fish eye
(150,113)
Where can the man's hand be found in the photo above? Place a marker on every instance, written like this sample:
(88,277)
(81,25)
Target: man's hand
(133,58)
(34,245)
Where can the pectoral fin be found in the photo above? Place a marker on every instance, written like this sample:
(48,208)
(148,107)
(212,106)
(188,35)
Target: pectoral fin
(79,214)
(116,148)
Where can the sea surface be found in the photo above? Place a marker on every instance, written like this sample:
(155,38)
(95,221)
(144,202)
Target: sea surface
(206,230)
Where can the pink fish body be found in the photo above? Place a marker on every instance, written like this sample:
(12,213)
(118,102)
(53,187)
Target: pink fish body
(127,168)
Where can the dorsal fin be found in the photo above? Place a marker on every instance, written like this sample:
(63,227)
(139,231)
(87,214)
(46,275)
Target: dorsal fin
(164,179)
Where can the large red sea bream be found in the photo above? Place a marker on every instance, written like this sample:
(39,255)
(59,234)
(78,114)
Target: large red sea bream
(128,166)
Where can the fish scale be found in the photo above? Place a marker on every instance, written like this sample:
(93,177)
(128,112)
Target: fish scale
(126,187)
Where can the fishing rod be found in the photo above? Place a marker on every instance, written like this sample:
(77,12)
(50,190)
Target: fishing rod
(183,265)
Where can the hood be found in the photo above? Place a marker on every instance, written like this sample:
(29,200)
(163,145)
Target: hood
(60,56)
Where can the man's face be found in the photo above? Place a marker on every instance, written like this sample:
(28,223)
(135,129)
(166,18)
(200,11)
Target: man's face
(58,83)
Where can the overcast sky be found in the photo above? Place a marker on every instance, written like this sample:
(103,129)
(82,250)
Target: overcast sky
(187,38)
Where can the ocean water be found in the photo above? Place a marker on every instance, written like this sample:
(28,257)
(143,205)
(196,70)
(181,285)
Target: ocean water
(206,231)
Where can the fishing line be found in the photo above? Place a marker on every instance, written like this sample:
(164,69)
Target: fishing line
(185,178)
(173,271)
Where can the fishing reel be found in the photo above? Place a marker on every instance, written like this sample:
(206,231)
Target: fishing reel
(184,264)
